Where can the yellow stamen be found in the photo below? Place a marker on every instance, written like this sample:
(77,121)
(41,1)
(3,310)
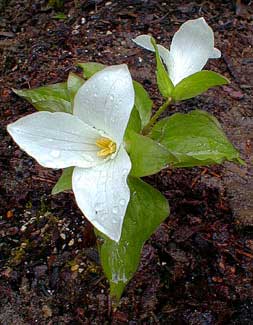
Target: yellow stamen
(107,147)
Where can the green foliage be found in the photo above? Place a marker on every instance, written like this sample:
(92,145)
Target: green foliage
(64,183)
(146,210)
(52,98)
(57,97)
(142,103)
(57,4)
(60,16)
(134,123)
(147,156)
(90,68)
(164,83)
(74,82)
(196,139)
(197,83)
(182,140)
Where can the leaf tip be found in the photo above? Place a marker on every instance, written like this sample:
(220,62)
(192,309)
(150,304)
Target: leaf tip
(16,91)
(54,190)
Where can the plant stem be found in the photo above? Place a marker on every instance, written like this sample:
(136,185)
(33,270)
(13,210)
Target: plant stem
(154,118)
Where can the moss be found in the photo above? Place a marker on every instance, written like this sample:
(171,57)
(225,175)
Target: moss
(57,4)
(17,256)
(28,205)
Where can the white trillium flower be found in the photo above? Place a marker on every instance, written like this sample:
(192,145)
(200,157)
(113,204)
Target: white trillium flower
(91,140)
(191,47)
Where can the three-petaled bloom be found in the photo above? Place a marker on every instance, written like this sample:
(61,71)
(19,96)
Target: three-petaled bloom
(191,47)
(91,140)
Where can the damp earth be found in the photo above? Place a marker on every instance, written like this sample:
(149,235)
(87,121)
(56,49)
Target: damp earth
(198,266)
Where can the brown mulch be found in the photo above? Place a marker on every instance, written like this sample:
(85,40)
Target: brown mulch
(198,266)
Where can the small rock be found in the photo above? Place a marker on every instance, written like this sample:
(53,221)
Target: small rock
(47,311)
(12,231)
(9,214)
(71,242)
(75,32)
(23,245)
(249,244)
(120,317)
(74,268)
(236,94)
(40,270)
(23,228)
(7,34)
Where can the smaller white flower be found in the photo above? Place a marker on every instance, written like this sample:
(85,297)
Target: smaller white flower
(191,47)
(91,140)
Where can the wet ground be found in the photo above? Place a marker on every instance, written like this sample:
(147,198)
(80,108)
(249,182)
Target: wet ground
(198,267)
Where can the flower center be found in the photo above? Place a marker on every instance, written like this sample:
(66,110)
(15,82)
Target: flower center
(107,147)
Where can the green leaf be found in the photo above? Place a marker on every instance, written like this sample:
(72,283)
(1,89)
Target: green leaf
(146,210)
(164,83)
(90,68)
(53,105)
(60,16)
(74,82)
(147,156)
(195,138)
(58,4)
(52,98)
(197,83)
(134,123)
(142,103)
(64,183)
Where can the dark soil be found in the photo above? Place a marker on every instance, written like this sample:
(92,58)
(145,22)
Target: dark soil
(198,267)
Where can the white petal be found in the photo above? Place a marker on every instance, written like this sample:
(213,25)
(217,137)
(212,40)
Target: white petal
(56,140)
(191,47)
(106,100)
(102,193)
(216,54)
(145,42)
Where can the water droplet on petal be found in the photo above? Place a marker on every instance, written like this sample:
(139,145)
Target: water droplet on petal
(125,172)
(111,97)
(103,176)
(88,158)
(122,202)
(78,178)
(115,210)
(99,207)
(55,153)
(102,217)
(114,220)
